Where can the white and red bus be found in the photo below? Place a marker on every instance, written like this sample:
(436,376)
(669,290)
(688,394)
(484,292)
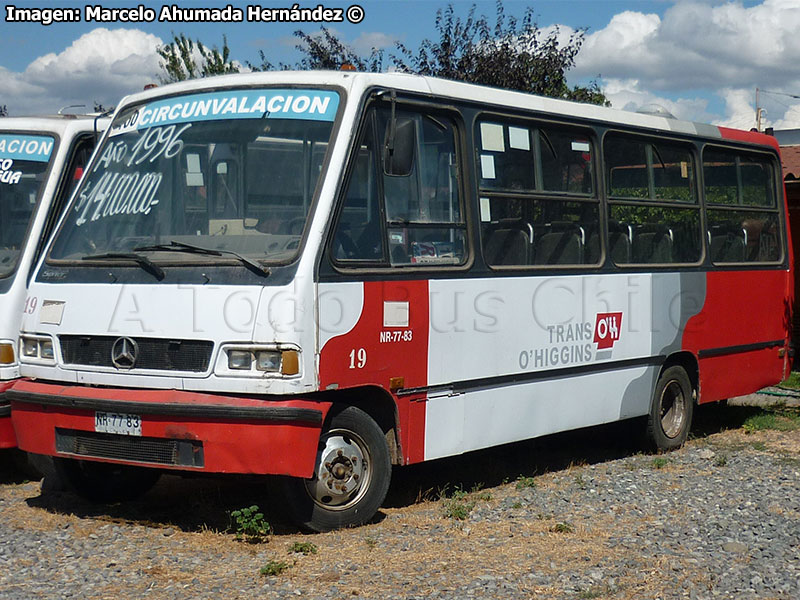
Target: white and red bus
(41,160)
(321,275)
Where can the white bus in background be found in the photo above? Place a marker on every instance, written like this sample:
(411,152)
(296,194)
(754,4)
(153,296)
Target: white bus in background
(319,275)
(41,161)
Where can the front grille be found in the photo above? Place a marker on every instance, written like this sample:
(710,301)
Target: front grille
(157,451)
(153,353)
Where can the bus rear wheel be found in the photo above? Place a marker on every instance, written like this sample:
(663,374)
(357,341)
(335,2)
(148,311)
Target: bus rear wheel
(671,410)
(351,476)
(105,482)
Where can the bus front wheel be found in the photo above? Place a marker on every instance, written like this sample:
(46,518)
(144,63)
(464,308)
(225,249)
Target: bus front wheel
(351,476)
(671,410)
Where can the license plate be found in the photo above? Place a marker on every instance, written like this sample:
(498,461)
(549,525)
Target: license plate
(121,423)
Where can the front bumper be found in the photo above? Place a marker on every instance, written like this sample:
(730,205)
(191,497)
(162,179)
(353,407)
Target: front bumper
(180,430)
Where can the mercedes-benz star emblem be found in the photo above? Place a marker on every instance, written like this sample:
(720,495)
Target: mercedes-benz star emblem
(124,353)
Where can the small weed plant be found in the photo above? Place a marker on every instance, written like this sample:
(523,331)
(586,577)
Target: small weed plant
(305,548)
(562,527)
(525,482)
(659,462)
(273,568)
(721,460)
(459,505)
(249,524)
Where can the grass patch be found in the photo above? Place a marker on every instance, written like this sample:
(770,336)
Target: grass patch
(273,568)
(562,528)
(524,483)
(458,506)
(791,382)
(302,548)
(659,462)
(776,419)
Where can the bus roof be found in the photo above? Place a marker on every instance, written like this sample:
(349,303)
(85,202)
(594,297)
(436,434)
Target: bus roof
(354,82)
(57,124)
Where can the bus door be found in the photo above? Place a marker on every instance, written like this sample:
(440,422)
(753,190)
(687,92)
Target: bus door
(400,221)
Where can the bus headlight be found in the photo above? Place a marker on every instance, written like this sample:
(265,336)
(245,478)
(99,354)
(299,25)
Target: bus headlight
(30,347)
(268,360)
(239,359)
(37,348)
(259,360)
(46,349)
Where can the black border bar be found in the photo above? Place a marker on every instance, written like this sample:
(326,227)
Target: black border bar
(282,414)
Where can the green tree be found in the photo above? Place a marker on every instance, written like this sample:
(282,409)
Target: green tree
(179,59)
(326,51)
(513,54)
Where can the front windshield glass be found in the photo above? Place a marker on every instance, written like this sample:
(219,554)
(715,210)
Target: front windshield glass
(234,171)
(23,165)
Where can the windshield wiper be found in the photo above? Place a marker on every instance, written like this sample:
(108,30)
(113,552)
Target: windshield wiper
(144,262)
(174,246)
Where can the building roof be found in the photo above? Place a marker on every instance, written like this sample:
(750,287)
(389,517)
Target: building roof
(787,137)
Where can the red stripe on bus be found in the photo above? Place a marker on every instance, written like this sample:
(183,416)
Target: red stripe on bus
(372,354)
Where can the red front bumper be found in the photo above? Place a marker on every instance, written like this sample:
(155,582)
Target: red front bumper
(180,430)
(7,437)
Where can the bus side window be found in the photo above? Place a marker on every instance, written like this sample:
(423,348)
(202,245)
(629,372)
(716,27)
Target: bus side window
(423,206)
(414,217)
(538,206)
(358,231)
(741,207)
(654,212)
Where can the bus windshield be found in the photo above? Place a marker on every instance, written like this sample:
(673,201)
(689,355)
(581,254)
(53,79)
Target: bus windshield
(24,160)
(233,171)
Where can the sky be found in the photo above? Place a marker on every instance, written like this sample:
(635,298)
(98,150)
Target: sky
(702,60)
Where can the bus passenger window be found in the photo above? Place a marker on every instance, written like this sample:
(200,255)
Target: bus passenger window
(741,207)
(654,214)
(537,201)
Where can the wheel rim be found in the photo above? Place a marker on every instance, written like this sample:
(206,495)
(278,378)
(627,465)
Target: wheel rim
(343,471)
(673,409)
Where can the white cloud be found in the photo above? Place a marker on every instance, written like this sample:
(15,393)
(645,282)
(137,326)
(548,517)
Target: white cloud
(628,94)
(739,109)
(100,66)
(700,48)
(366,41)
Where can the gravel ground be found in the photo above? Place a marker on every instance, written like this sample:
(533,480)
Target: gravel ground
(578,515)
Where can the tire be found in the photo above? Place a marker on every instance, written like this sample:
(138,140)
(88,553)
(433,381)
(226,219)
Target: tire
(104,482)
(351,476)
(671,409)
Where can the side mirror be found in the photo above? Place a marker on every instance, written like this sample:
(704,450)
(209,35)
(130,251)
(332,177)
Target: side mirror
(399,147)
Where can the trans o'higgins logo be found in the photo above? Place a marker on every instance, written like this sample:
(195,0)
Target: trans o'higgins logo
(571,344)
(607,328)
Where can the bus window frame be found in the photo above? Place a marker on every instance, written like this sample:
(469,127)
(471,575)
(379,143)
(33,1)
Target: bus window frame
(376,97)
(699,201)
(9,277)
(779,208)
(60,198)
(538,121)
